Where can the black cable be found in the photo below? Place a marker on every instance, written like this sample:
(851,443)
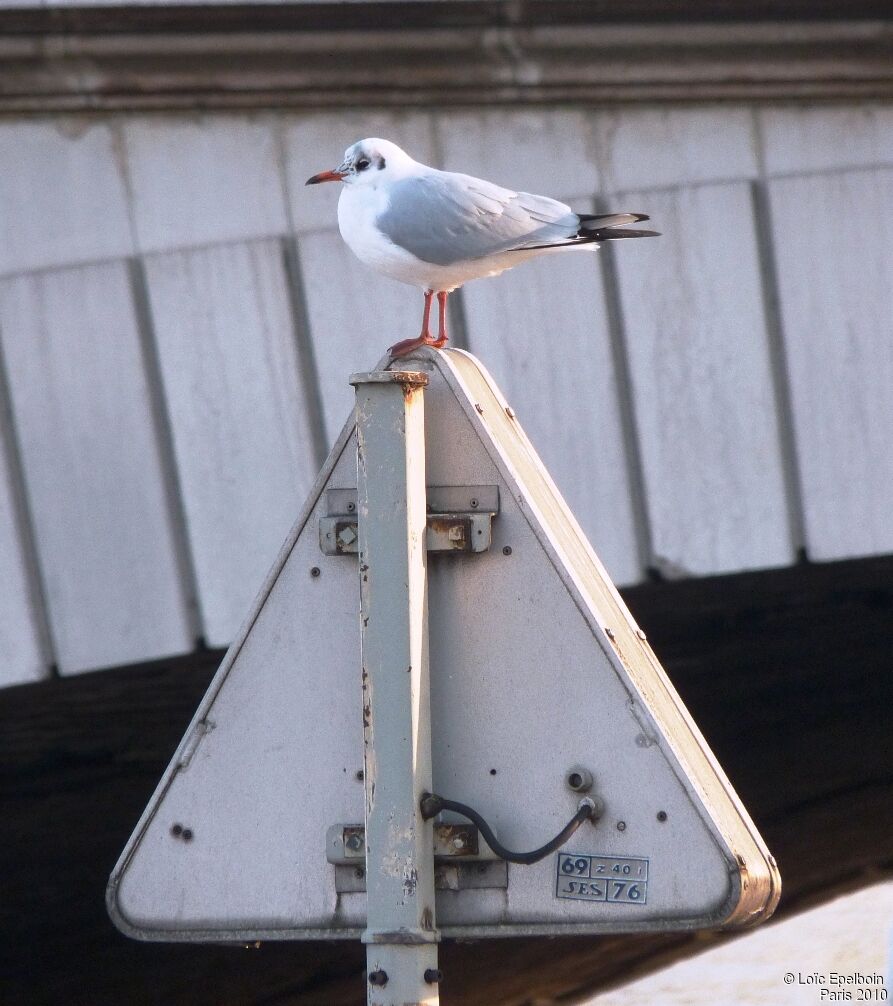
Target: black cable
(431,805)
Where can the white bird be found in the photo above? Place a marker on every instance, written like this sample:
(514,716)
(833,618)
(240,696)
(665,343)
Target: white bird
(439,229)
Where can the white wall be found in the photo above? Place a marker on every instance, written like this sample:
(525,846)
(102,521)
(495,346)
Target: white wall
(178,318)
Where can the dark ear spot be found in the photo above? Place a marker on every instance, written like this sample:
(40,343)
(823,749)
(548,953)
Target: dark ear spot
(379,162)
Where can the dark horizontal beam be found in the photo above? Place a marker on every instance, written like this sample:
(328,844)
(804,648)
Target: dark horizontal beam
(282,57)
(69,18)
(787,673)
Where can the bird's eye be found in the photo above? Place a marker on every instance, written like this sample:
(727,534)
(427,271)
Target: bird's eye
(362,164)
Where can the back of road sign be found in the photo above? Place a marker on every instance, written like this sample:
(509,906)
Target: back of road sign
(539,679)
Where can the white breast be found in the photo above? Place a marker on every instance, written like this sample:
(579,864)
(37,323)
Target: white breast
(358,209)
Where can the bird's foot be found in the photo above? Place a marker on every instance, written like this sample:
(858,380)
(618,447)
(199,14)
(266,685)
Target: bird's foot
(405,347)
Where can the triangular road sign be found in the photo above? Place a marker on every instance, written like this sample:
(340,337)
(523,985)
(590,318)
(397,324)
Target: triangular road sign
(540,679)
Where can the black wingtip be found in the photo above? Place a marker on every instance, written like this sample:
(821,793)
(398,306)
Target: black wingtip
(612,233)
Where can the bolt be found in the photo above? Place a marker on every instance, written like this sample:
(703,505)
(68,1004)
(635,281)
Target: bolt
(359,873)
(492,771)
(177,830)
(351,507)
(379,978)
(360,775)
(187,834)
(314,572)
(510,412)
(609,633)
(458,843)
(661,815)
(480,408)
(506,549)
(433,976)
(621,825)
(641,634)
(475,504)
(354,842)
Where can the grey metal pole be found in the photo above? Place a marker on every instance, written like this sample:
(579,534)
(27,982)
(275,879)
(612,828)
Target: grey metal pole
(400,934)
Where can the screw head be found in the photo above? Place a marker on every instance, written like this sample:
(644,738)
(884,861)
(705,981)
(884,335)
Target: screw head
(621,825)
(433,976)
(506,549)
(661,815)
(379,978)
(314,572)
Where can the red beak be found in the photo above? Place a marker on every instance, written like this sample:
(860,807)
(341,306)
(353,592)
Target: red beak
(325,176)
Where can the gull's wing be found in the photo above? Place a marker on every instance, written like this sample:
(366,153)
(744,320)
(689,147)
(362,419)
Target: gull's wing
(442,218)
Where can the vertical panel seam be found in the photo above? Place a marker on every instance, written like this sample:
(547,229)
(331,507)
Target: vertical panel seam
(23,526)
(625,400)
(308,378)
(303,339)
(164,440)
(779,365)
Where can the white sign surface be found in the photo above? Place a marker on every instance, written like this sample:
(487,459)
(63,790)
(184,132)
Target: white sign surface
(537,669)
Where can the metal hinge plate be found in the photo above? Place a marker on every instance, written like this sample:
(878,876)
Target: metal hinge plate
(462,860)
(346,843)
(459,519)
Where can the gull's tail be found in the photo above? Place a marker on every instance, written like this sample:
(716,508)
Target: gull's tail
(609,226)
(593,229)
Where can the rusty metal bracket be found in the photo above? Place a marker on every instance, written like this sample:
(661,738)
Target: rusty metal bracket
(346,844)
(462,860)
(459,519)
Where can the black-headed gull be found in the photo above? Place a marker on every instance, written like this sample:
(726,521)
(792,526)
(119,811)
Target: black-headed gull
(440,229)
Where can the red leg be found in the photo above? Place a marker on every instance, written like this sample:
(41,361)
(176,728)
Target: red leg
(425,334)
(442,332)
(425,338)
